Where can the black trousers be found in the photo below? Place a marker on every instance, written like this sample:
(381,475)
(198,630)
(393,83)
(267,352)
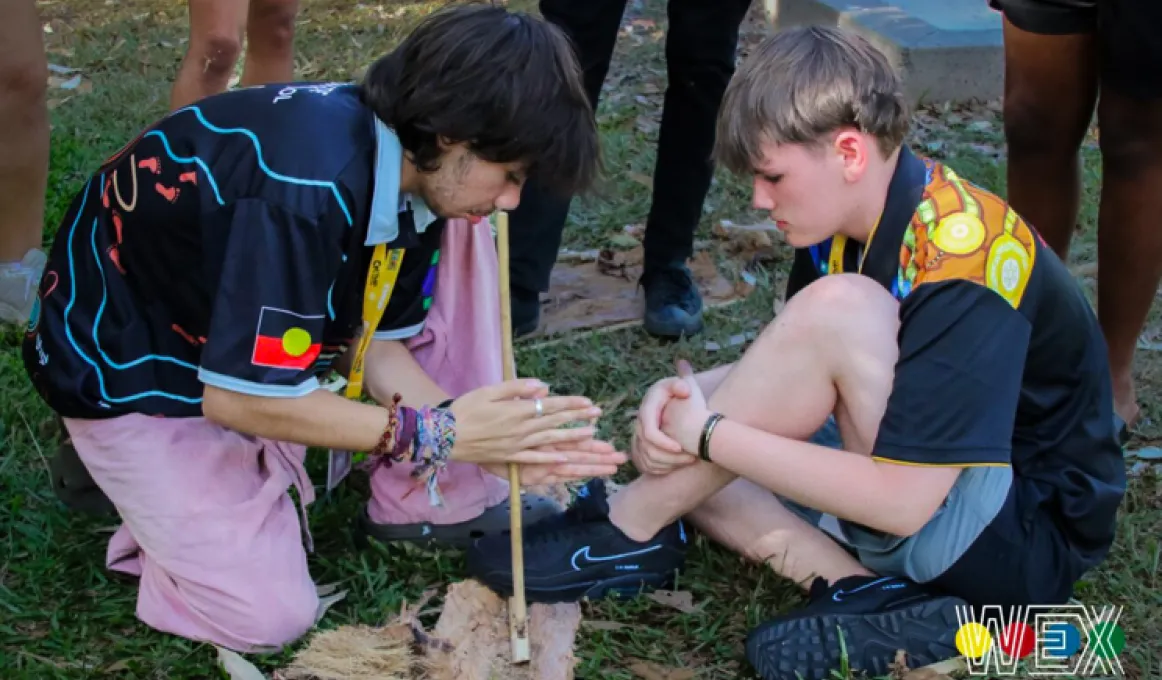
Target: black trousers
(701,45)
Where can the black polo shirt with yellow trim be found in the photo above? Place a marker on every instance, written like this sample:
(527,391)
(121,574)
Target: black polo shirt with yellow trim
(1001,359)
(228,245)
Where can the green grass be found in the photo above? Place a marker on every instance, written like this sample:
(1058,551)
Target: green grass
(63,616)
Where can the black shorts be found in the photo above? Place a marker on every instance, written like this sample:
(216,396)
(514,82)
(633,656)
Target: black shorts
(1129,34)
(1021,558)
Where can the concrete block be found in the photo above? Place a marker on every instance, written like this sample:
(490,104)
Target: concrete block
(947,50)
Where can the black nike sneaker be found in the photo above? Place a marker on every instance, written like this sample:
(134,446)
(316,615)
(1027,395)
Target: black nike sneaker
(876,617)
(581,554)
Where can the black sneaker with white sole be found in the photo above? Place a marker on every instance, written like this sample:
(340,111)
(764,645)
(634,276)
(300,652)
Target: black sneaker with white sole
(875,616)
(581,554)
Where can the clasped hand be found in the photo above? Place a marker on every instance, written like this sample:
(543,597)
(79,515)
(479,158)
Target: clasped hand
(499,424)
(669,424)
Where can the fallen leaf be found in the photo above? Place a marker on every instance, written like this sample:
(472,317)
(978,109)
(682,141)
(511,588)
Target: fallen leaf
(626,241)
(644,180)
(566,256)
(1146,453)
(652,671)
(327,602)
(1142,467)
(681,600)
(604,625)
(237,667)
(899,666)
(117,667)
(941,670)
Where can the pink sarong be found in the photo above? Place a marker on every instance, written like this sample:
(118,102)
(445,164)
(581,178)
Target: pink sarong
(460,361)
(208,525)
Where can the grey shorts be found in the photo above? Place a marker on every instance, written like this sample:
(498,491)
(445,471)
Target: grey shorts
(976,500)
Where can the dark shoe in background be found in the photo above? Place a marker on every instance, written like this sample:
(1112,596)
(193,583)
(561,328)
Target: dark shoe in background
(673,302)
(72,483)
(526,311)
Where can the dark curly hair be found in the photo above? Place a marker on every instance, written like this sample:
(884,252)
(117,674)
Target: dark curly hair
(507,84)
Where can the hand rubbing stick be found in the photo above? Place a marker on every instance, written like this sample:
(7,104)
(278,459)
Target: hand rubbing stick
(517,609)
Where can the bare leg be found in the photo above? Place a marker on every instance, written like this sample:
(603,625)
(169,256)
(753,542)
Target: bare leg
(747,519)
(24,162)
(832,350)
(1050,90)
(216,28)
(270,34)
(1129,241)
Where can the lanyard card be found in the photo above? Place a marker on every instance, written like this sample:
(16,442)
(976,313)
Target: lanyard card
(339,464)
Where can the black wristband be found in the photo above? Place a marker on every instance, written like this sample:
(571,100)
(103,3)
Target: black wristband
(447,403)
(707,431)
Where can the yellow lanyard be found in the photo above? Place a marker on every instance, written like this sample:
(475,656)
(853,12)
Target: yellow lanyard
(381,278)
(839,245)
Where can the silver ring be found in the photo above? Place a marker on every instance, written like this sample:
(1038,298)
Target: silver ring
(540,406)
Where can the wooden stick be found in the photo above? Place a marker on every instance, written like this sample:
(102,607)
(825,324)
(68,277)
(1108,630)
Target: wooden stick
(517,609)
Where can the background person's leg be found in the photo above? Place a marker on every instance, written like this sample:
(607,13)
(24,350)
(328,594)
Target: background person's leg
(24,139)
(701,42)
(216,28)
(270,38)
(538,223)
(1050,91)
(1129,235)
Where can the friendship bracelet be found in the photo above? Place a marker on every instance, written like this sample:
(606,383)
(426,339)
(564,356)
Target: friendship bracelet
(406,437)
(707,430)
(435,437)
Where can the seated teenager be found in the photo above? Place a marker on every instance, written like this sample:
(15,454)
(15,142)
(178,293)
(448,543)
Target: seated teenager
(212,271)
(961,363)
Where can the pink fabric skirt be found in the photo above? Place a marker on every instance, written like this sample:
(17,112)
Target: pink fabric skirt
(208,525)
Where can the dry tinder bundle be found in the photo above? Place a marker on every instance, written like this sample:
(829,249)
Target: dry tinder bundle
(470,640)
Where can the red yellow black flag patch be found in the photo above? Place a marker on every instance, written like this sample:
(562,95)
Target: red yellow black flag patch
(286,339)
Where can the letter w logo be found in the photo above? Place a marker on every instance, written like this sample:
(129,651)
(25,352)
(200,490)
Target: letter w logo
(990,637)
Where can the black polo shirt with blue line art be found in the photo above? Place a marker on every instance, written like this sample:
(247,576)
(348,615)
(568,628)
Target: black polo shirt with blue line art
(227,245)
(1001,360)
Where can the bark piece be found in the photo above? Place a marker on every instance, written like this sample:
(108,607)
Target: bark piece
(475,622)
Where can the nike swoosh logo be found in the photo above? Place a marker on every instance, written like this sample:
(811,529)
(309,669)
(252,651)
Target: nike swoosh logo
(840,594)
(584,554)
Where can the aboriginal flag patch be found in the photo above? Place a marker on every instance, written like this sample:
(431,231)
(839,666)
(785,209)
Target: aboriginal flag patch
(286,339)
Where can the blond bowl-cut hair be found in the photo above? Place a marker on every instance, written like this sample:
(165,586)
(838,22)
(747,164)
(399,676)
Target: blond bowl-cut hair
(800,85)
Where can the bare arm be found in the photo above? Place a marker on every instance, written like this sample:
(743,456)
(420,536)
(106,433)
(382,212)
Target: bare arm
(898,499)
(391,368)
(318,419)
(708,381)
